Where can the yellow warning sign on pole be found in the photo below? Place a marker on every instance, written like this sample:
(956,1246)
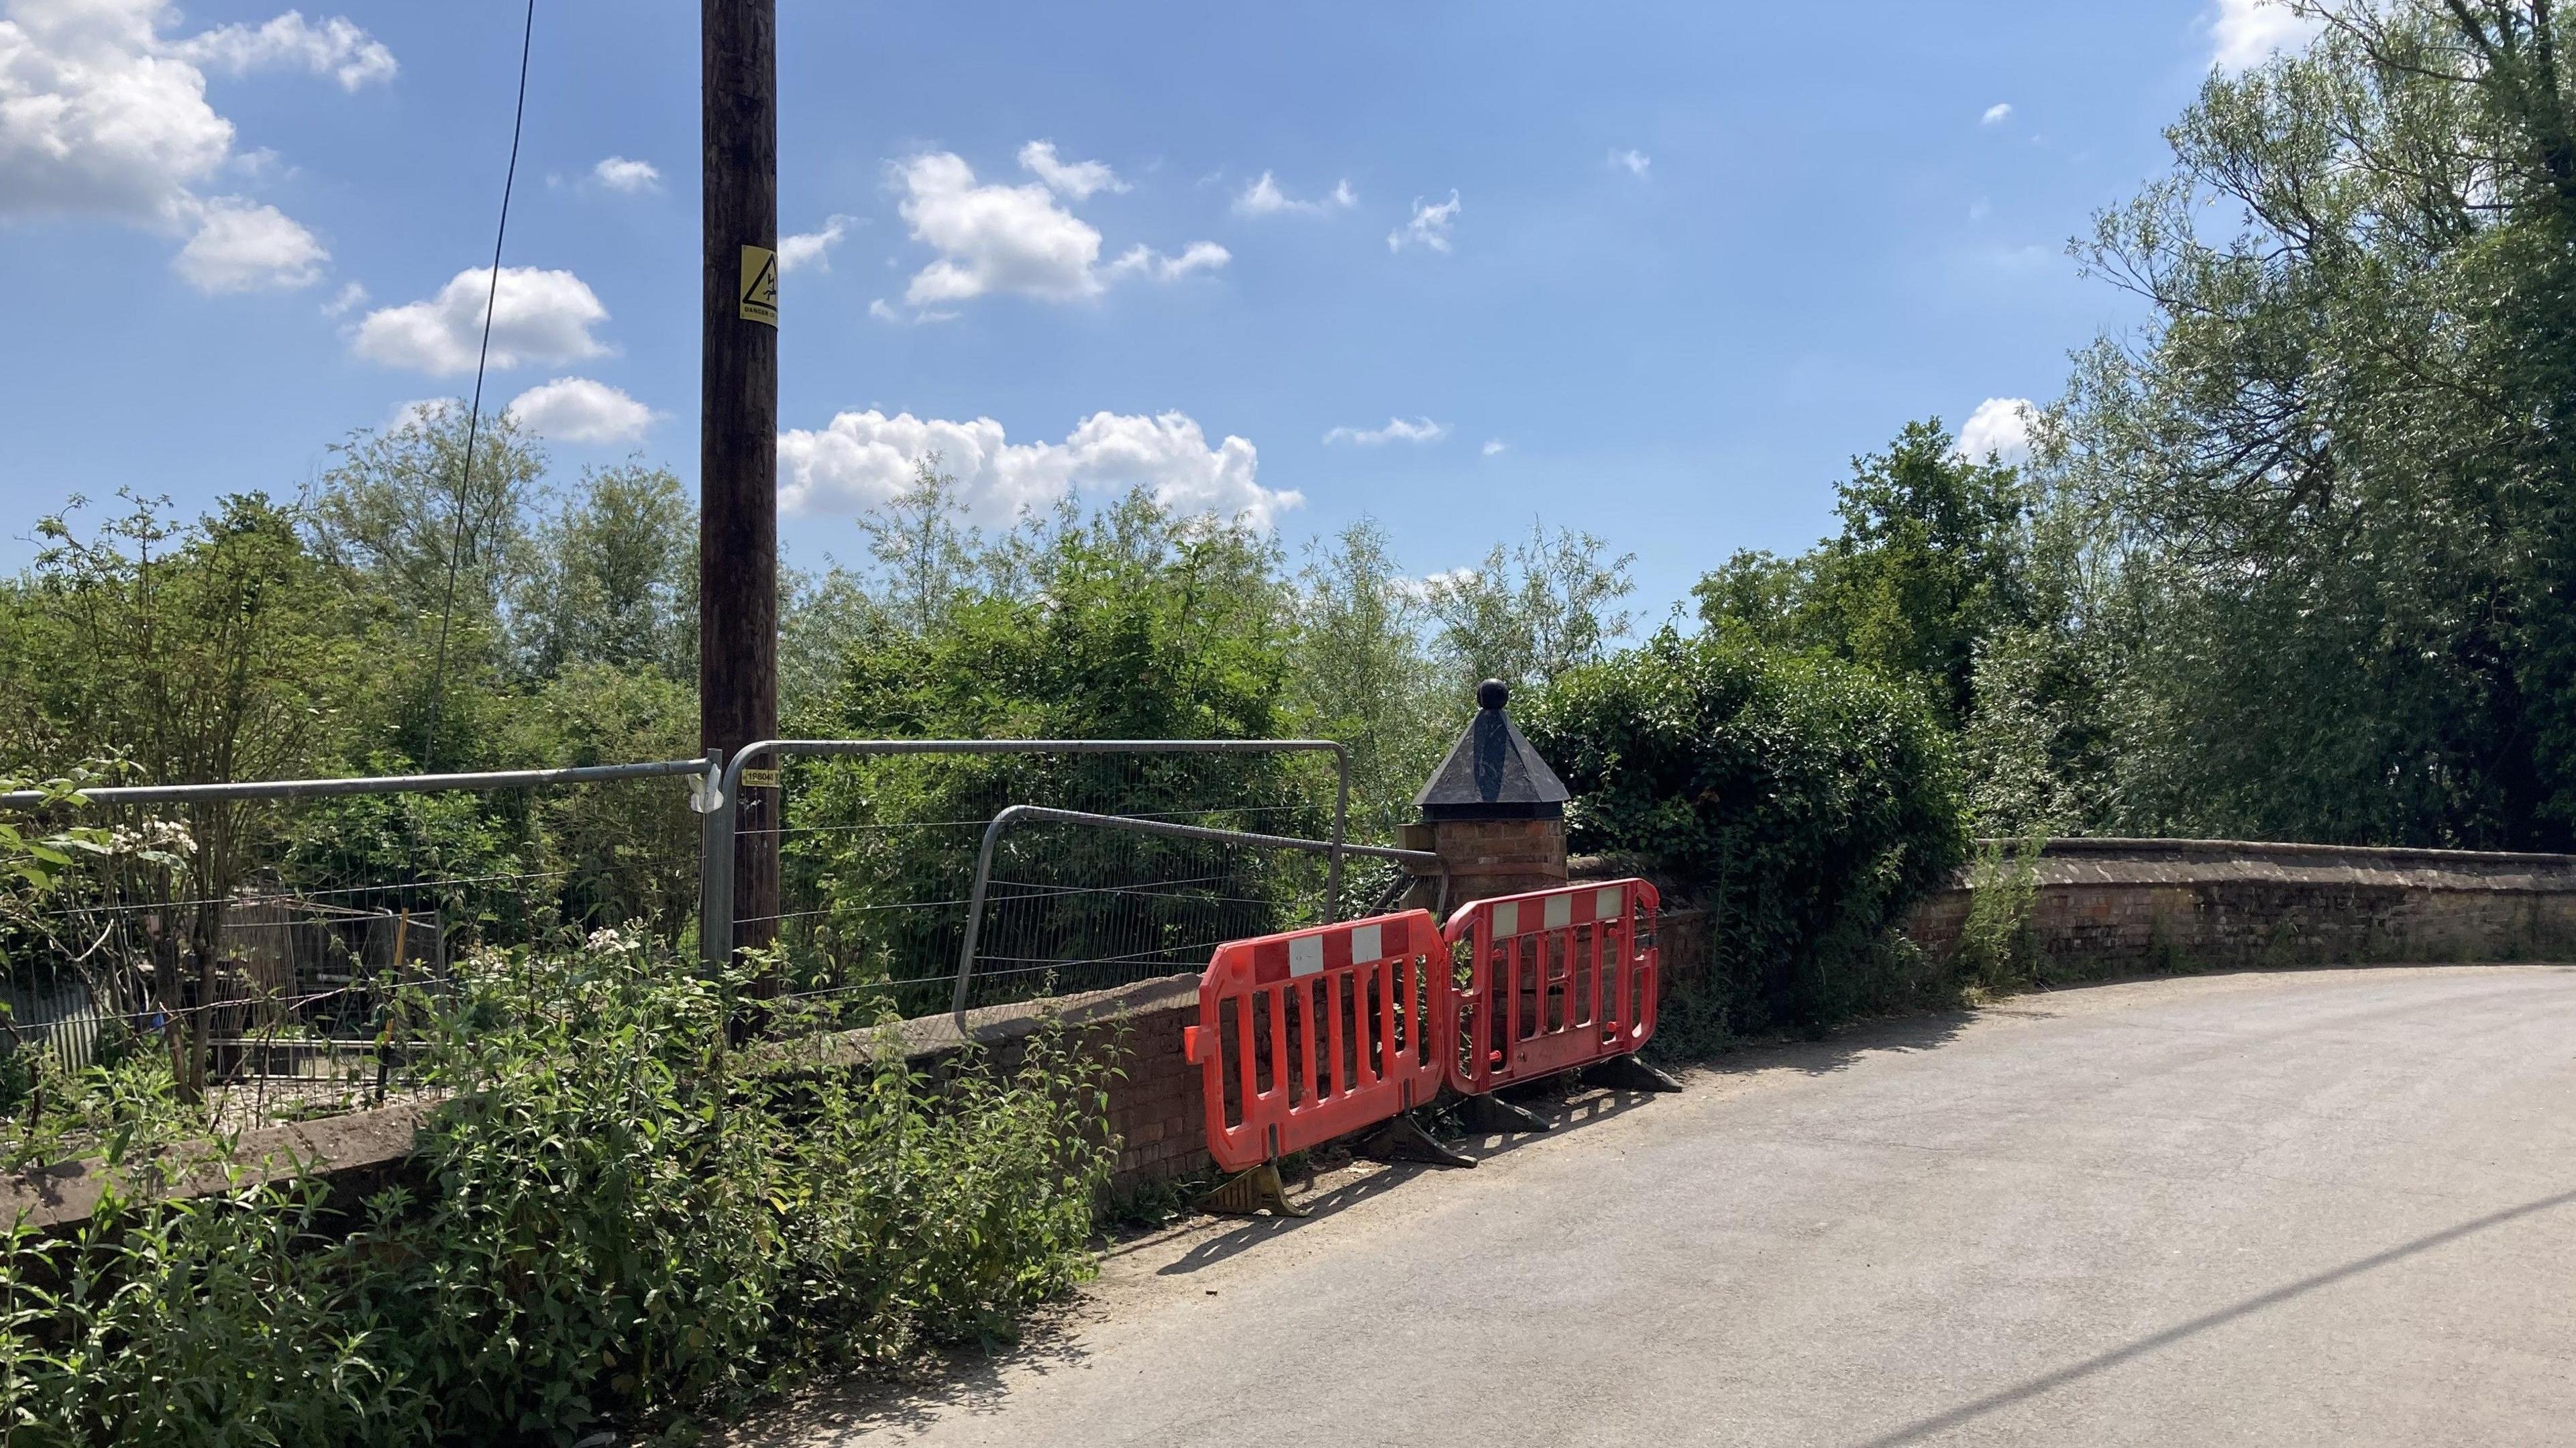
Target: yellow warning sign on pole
(759,291)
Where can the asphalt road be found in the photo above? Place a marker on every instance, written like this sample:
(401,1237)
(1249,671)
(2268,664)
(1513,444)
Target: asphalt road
(2321,1207)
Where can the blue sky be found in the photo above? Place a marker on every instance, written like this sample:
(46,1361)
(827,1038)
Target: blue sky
(1652,270)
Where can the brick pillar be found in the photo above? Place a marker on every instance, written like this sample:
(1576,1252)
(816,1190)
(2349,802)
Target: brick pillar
(1485,858)
(1493,812)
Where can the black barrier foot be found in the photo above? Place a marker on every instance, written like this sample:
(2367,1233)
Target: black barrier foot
(1403,1139)
(1494,1114)
(1627,1073)
(1248,1192)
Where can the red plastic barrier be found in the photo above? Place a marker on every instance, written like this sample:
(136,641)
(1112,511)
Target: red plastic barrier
(1316,1033)
(1555,979)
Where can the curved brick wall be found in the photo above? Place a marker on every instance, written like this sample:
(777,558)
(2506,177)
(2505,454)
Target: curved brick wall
(2110,906)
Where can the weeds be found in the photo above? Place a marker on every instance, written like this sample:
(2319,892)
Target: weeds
(1999,942)
(613,1222)
(125,1102)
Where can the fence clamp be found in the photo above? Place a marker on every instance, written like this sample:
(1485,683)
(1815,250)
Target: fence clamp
(706,791)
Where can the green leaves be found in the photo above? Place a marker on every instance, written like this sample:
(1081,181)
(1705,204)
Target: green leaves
(1933,557)
(2327,542)
(1806,802)
(614,1226)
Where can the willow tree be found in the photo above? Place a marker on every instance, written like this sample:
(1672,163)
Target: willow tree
(2329,534)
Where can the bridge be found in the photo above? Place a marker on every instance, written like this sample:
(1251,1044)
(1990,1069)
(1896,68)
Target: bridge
(2310,1206)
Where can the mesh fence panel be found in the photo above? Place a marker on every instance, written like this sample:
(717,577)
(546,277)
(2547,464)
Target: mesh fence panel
(878,855)
(260,951)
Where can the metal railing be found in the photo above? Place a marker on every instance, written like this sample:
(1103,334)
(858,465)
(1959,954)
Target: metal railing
(975,896)
(717,927)
(484,782)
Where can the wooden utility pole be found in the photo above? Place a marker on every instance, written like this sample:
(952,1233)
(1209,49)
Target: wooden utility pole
(738,427)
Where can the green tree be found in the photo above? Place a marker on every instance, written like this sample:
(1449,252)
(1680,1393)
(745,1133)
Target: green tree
(396,510)
(217,650)
(1144,624)
(1141,625)
(628,853)
(396,514)
(1930,560)
(1530,611)
(926,549)
(1359,672)
(614,577)
(822,616)
(1759,594)
(2325,495)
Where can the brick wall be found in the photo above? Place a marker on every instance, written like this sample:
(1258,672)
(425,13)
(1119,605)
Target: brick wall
(2106,907)
(1155,1105)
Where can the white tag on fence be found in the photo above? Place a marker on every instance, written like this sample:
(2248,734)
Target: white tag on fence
(1507,919)
(1558,912)
(1605,904)
(1305,956)
(1366,944)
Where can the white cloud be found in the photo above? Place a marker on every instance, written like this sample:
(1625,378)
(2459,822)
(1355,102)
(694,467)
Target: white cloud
(578,410)
(617,173)
(2000,427)
(992,238)
(96,121)
(995,238)
(537,316)
(346,300)
(1396,430)
(1077,179)
(812,248)
(864,458)
(240,246)
(1142,260)
(1264,198)
(262,167)
(336,48)
(103,116)
(884,313)
(1635,162)
(1429,227)
(1996,114)
(2245,33)
(1494,447)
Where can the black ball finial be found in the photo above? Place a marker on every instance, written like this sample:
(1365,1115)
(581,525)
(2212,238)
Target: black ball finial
(1493,694)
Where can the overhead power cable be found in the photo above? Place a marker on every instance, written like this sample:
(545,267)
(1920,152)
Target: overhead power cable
(474,411)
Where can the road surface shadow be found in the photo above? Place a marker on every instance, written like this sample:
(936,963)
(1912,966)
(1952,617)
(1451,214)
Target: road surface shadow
(2103,1362)
(1562,1112)
(930,1392)
(1567,1103)
(1839,1048)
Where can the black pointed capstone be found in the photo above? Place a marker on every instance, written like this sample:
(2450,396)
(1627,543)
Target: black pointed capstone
(1492,773)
